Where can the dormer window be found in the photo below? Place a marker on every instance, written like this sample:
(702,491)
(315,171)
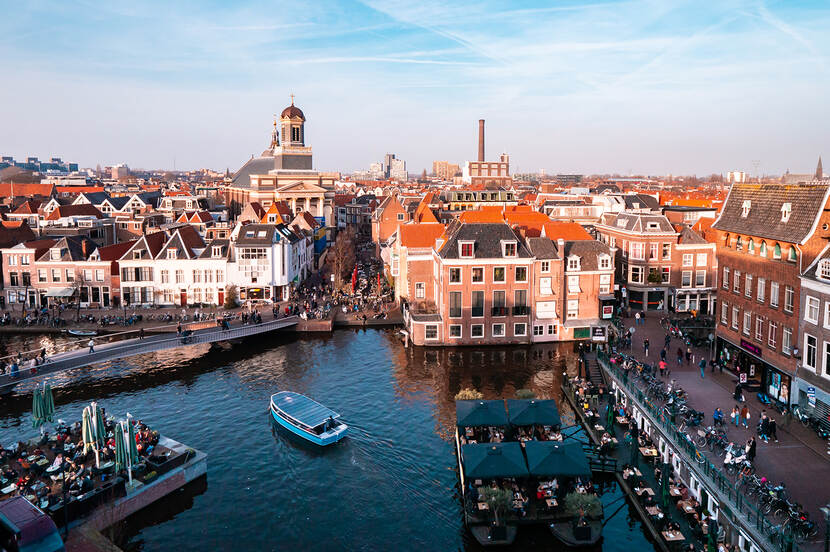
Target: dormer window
(823,270)
(776,253)
(793,256)
(750,247)
(217,251)
(745,207)
(261,234)
(136,254)
(621,223)
(172,254)
(762,250)
(786,211)
(466,249)
(573,262)
(653,226)
(249,234)
(604,262)
(55,254)
(508,249)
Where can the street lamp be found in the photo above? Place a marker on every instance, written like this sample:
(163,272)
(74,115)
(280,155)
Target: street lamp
(826,511)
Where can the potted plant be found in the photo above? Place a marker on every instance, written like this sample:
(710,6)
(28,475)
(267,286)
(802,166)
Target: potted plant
(468,394)
(582,508)
(498,501)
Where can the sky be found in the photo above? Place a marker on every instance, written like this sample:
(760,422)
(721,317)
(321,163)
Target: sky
(631,87)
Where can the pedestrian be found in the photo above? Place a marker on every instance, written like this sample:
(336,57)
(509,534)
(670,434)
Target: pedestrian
(702,365)
(738,395)
(91,346)
(688,355)
(763,427)
(663,354)
(636,318)
(745,415)
(736,416)
(712,364)
(645,346)
(43,355)
(141,333)
(179,328)
(772,430)
(750,449)
(667,340)
(663,365)
(679,356)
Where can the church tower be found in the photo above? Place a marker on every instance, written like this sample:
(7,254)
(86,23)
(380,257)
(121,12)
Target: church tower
(292,122)
(288,146)
(819,170)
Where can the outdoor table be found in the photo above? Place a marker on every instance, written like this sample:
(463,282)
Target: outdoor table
(10,489)
(673,536)
(471,441)
(687,508)
(645,490)
(42,462)
(622,420)
(106,466)
(483,506)
(653,510)
(674,491)
(31,458)
(599,427)
(551,502)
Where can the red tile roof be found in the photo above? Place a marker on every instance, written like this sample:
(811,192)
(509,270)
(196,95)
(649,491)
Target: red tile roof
(17,189)
(84,209)
(28,207)
(420,235)
(74,190)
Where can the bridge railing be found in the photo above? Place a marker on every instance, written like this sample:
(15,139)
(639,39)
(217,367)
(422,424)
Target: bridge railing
(134,347)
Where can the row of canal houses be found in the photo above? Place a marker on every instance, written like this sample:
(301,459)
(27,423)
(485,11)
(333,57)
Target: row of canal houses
(173,266)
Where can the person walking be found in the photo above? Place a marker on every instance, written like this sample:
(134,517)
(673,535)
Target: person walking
(688,355)
(663,354)
(637,318)
(702,365)
(662,365)
(772,430)
(736,416)
(667,340)
(679,356)
(745,415)
(141,333)
(763,427)
(645,346)
(91,345)
(750,449)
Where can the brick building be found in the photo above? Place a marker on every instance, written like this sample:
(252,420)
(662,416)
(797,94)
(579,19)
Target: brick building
(767,235)
(811,383)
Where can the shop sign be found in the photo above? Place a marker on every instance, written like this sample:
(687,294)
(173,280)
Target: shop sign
(743,377)
(811,396)
(598,333)
(607,311)
(751,347)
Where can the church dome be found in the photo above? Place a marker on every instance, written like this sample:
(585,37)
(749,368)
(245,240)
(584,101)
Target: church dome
(292,112)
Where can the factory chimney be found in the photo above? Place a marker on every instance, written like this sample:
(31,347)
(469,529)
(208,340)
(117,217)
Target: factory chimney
(481,139)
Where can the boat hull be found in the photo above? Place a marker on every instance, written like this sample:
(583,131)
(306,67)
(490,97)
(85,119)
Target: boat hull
(324,439)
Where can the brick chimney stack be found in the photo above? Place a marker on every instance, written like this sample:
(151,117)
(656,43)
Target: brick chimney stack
(481,139)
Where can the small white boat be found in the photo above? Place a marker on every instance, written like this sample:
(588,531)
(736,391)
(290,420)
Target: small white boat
(82,333)
(307,418)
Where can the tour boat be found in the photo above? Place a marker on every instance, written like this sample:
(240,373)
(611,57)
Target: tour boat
(82,333)
(307,418)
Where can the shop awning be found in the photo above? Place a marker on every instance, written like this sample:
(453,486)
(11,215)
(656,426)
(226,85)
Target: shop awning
(60,292)
(478,413)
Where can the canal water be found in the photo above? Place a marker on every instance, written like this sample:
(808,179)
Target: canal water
(391,485)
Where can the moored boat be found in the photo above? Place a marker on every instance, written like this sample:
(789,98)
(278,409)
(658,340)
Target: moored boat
(82,333)
(307,418)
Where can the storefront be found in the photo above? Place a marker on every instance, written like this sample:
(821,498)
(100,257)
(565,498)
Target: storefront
(757,374)
(652,299)
(693,299)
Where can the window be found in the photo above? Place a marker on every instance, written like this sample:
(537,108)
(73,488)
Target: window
(747,322)
(789,297)
(688,259)
(498,330)
(750,248)
(735,312)
(24,260)
(197,276)
(41,276)
(455,331)
(13,279)
(786,211)
(538,330)
(686,280)
(736,281)
(826,368)
(811,314)
(545,286)
(636,275)
(724,313)
(725,282)
(519,329)
(220,276)
(638,251)
(499,303)
(573,284)
(12,260)
(824,269)
(167,296)
(827,314)
(739,244)
(509,249)
(70,275)
(553,329)
(455,304)
(546,267)
(420,290)
(99,275)
(665,275)
(55,254)
(748,285)
(792,256)
(605,283)
(172,254)
(701,259)
(573,309)
(762,251)
(477,304)
(666,251)
(466,249)
(786,340)
(762,288)
(498,275)
(431,331)
(700,278)
(573,263)
(520,299)
(455,275)
(759,328)
(401,217)
(772,334)
(165,276)
(776,252)
(478,275)
(180,276)
(477,330)
(56,275)
(773,294)
(653,250)
(521,274)
(810,350)
(604,262)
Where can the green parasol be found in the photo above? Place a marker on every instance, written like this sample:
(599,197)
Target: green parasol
(37,408)
(609,418)
(48,403)
(86,430)
(120,450)
(132,450)
(664,485)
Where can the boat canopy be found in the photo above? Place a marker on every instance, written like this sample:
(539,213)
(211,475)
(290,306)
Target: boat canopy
(525,412)
(491,460)
(306,411)
(478,413)
(556,459)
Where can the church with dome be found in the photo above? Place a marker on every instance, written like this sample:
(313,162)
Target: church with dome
(284,172)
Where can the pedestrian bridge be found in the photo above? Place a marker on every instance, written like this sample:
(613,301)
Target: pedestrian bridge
(131,347)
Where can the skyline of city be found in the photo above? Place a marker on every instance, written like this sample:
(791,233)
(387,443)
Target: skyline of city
(617,87)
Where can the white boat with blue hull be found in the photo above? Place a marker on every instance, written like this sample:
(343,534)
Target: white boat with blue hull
(307,418)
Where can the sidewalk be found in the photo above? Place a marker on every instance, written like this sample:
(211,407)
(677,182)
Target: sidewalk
(799,459)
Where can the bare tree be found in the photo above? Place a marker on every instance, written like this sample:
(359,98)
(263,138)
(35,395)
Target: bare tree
(343,257)
(78,284)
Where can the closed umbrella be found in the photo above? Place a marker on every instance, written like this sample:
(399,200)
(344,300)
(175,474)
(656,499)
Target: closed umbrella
(48,403)
(609,418)
(664,485)
(37,408)
(86,430)
(120,450)
(98,434)
(132,450)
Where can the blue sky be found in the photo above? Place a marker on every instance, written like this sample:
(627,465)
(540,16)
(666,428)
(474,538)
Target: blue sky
(637,86)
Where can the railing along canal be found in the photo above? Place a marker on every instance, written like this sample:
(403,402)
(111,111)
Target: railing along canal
(134,347)
(732,503)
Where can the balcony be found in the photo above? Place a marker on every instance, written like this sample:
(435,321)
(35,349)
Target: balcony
(499,311)
(523,310)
